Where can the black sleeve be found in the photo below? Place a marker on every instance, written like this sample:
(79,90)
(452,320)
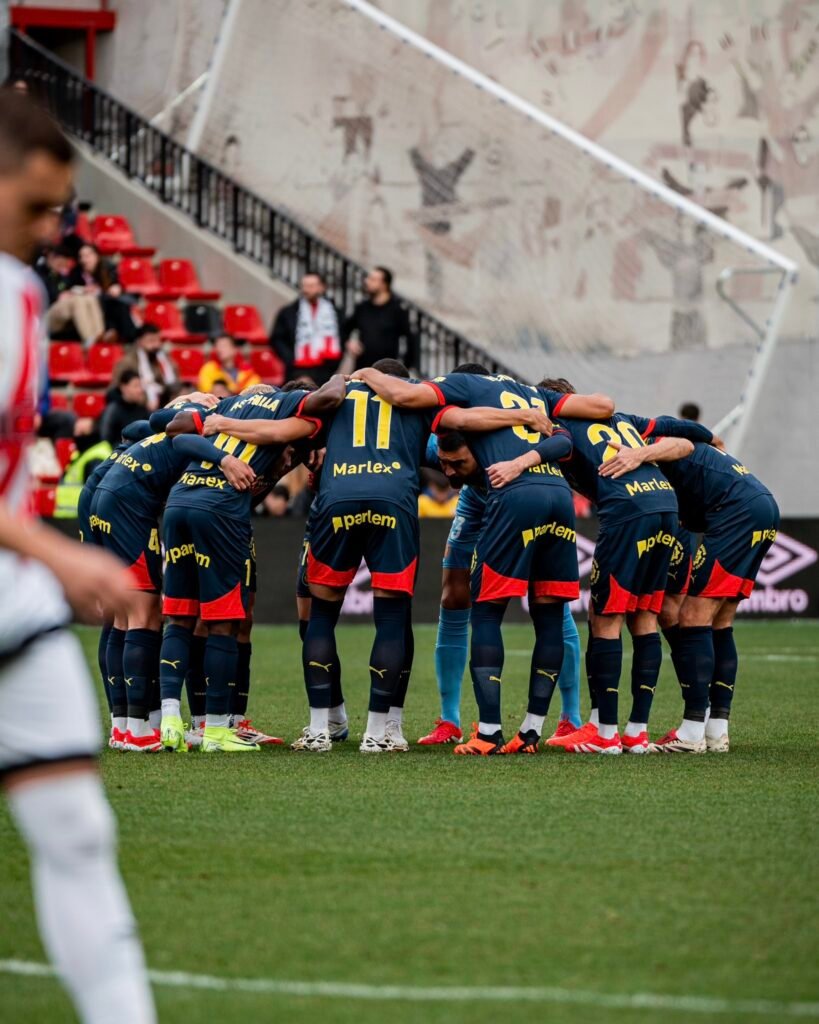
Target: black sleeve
(670,426)
(89,468)
(350,324)
(413,342)
(282,339)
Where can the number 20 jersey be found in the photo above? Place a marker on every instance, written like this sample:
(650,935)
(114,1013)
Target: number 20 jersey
(374,450)
(637,493)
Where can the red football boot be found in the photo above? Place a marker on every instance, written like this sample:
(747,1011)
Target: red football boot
(444,732)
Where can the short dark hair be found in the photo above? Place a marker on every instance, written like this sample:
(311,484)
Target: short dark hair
(690,411)
(559,384)
(386,273)
(476,368)
(299,385)
(315,273)
(451,441)
(127,376)
(394,367)
(26,128)
(149,327)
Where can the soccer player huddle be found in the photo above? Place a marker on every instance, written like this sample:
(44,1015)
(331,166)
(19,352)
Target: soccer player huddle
(514,450)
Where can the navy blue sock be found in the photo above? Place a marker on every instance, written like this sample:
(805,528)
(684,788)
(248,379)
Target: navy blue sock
(241,692)
(174,656)
(726,663)
(195,676)
(336,693)
(387,656)
(400,697)
(116,680)
(486,659)
(221,656)
(102,661)
(139,657)
(645,671)
(303,624)
(319,656)
(606,662)
(547,656)
(696,657)
(672,636)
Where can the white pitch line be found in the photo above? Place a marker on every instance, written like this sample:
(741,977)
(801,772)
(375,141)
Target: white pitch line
(455,994)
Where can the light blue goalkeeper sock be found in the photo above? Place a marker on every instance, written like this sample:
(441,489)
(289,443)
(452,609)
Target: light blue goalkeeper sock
(451,648)
(569,678)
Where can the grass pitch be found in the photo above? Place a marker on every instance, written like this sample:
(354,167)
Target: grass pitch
(675,875)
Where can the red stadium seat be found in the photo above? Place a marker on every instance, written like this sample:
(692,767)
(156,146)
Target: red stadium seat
(137,275)
(102,358)
(112,233)
(58,399)
(268,366)
(83,227)
(66,362)
(189,361)
(45,498)
(245,324)
(178,278)
(64,448)
(168,318)
(89,404)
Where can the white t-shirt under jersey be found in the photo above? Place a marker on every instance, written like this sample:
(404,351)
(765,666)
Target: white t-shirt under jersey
(31,599)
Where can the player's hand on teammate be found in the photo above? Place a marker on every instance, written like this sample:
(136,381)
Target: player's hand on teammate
(502,473)
(239,474)
(199,398)
(215,424)
(717,442)
(539,421)
(626,460)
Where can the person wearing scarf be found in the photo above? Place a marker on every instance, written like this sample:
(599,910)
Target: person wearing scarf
(306,334)
(149,360)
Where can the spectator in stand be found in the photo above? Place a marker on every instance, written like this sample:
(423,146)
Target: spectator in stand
(690,411)
(305,334)
(381,323)
(151,364)
(91,450)
(96,276)
(228,367)
(126,404)
(437,500)
(67,308)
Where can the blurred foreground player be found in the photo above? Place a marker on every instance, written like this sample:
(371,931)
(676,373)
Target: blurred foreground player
(49,725)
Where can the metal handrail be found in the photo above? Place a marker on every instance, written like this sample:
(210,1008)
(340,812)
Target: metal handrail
(255,228)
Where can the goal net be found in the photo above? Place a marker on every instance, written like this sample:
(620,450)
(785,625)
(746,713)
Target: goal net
(533,242)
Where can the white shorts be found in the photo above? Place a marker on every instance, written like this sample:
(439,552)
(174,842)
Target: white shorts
(48,710)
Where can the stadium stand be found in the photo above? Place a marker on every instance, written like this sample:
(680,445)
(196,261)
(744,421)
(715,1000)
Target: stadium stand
(112,234)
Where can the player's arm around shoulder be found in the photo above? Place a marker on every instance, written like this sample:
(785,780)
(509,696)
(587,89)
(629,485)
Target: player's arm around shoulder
(487,418)
(398,392)
(665,449)
(556,448)
(596,406)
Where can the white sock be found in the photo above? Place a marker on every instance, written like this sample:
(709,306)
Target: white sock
(155,718)
(488,728)
(120,723)
(635,728)
(594,716)
(533,722)
(139,727)
(318,719)
(607,732)
(691,732)
(395,715)
(338,713)
(217,721)
(83,914)
(377,724)
(171,708)
(198,721)
(716,728)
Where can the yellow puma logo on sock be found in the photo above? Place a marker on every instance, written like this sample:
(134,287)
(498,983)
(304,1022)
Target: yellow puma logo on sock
(110,680)
(650,689)
(380,672)
(610,689)
(128,681)
(173,664)
(549,675)
(728,686)
(494,679)
(318,664)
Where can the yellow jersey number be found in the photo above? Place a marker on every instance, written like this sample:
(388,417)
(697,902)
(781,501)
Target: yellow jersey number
(509,400)
(228,443)
(383,424)
(625,434)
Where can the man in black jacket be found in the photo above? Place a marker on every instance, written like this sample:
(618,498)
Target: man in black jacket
(382,322)
(305,335)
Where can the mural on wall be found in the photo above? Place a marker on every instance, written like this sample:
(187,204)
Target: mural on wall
(504,232)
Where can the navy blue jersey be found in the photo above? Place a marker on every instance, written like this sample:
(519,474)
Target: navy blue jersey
(472,389)
(202,481)
(374,450)
(145,472)
(640,492)
(709,482)
(94,478)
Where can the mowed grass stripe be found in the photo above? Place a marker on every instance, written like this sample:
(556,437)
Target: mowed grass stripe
(448,994)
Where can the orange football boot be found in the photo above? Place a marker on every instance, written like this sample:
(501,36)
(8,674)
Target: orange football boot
(522,743)
(573,736)
(482,747)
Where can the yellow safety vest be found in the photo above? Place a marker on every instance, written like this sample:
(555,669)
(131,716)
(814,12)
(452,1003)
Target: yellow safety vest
(69,488)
